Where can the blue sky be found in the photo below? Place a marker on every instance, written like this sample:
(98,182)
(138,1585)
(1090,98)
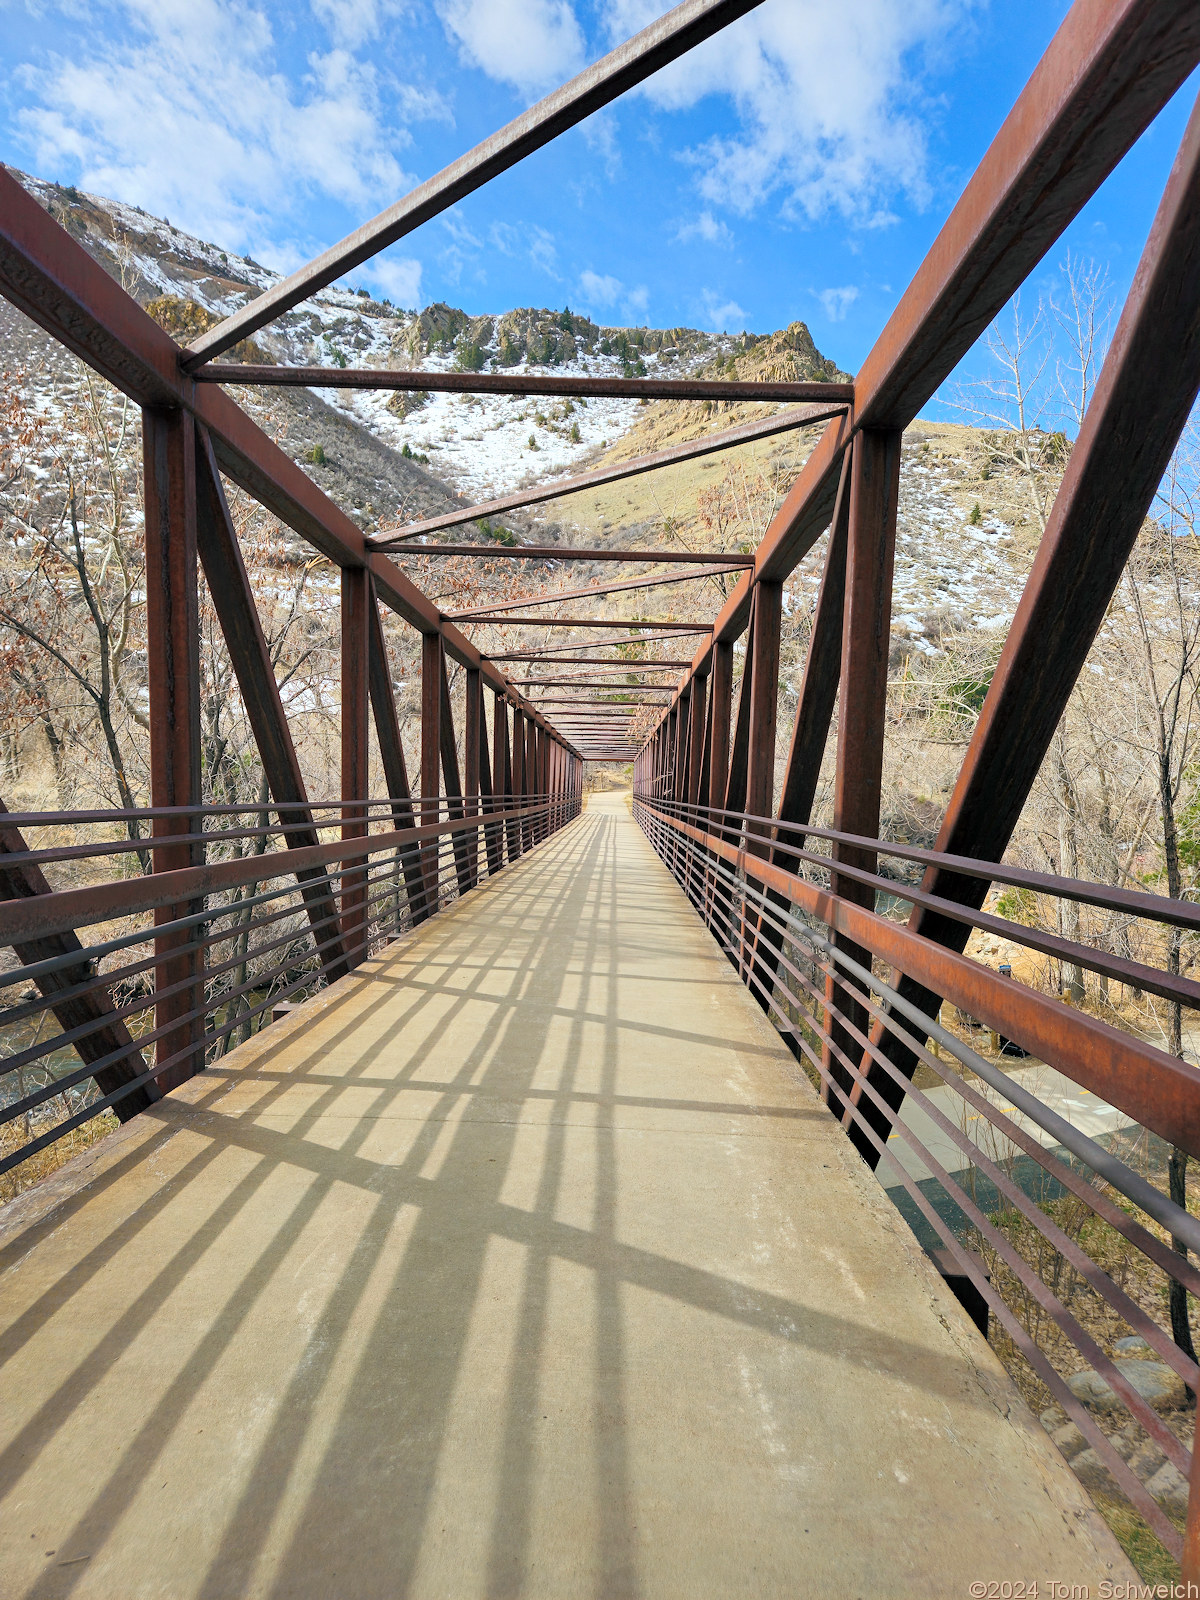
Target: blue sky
(796,167)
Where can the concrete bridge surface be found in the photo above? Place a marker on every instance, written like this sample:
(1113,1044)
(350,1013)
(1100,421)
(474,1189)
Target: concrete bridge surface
(521,1263)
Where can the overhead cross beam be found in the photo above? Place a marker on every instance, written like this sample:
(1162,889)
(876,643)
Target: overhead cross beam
(553,552)
(631,63)
(591,592)
(49,276)
(524,383)
(590,622)
(536,652)
(708,444)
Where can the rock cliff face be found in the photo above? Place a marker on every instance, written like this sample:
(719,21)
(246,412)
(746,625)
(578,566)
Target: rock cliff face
(370,449)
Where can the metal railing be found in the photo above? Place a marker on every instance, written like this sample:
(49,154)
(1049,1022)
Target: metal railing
(1068,1240)
(123,982)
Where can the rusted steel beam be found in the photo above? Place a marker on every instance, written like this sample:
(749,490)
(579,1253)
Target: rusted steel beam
(586,705)
(631,63)
(673,628)
(472,744)
(357,600)
(173,654)
(1145,392)
(709,444)
(431,756)
(533,652)
(453,782)
(391,754)
(588,661)
(695,753)
(233,600)
(610,683)
(866,639)
(683,723)
(760,762)
(594,591)
(40,917)
(814,708)
(1155,1089)
(739,752)
(530,383)
(493,836)
(51,278)
(502,768)
(553,552)
(107,1035)
(1109,70)
(720,713)
(822,671)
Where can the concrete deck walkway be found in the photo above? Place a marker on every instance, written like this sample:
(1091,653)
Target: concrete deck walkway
(520,1264)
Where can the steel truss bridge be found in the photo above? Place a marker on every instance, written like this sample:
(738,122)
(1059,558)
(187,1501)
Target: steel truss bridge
(523,1256)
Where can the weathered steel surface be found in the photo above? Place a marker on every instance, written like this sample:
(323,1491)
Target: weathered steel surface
(1109,70)
(67,909)
(665,625)
(1156,1089)
(228,584)
(452,780)
(708,444)
(104,1035)
(631,63)
(531,383)
(656,580)
(50,276)
(355,717)
(391,754)
(554,552)
(173,645)
(1146,389)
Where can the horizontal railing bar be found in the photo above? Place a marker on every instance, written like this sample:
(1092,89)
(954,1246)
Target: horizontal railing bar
(1137,902)
(1156,1089)
(68,909)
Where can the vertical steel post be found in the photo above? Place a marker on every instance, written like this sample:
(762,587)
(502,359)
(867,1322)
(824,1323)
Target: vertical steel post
(699,729)
(683,724)
(721,712)
(429,811)
(760,762)
(452,783)
(866,638)
(471,746)
(356,714)
(518,777)
(173,648)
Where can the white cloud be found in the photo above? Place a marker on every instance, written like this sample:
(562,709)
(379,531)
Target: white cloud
(180,106)
(836,302)
(827,96)
(605,293)
(530,44)
(599,291)
(705,227)
(542,251)
(722,315)
(396,277)
(353,22)
(637,304)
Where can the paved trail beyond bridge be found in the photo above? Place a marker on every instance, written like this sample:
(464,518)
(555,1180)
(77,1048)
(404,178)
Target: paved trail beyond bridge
(521,1262)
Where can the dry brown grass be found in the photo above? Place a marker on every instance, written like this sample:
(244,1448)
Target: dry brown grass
(55,1156)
